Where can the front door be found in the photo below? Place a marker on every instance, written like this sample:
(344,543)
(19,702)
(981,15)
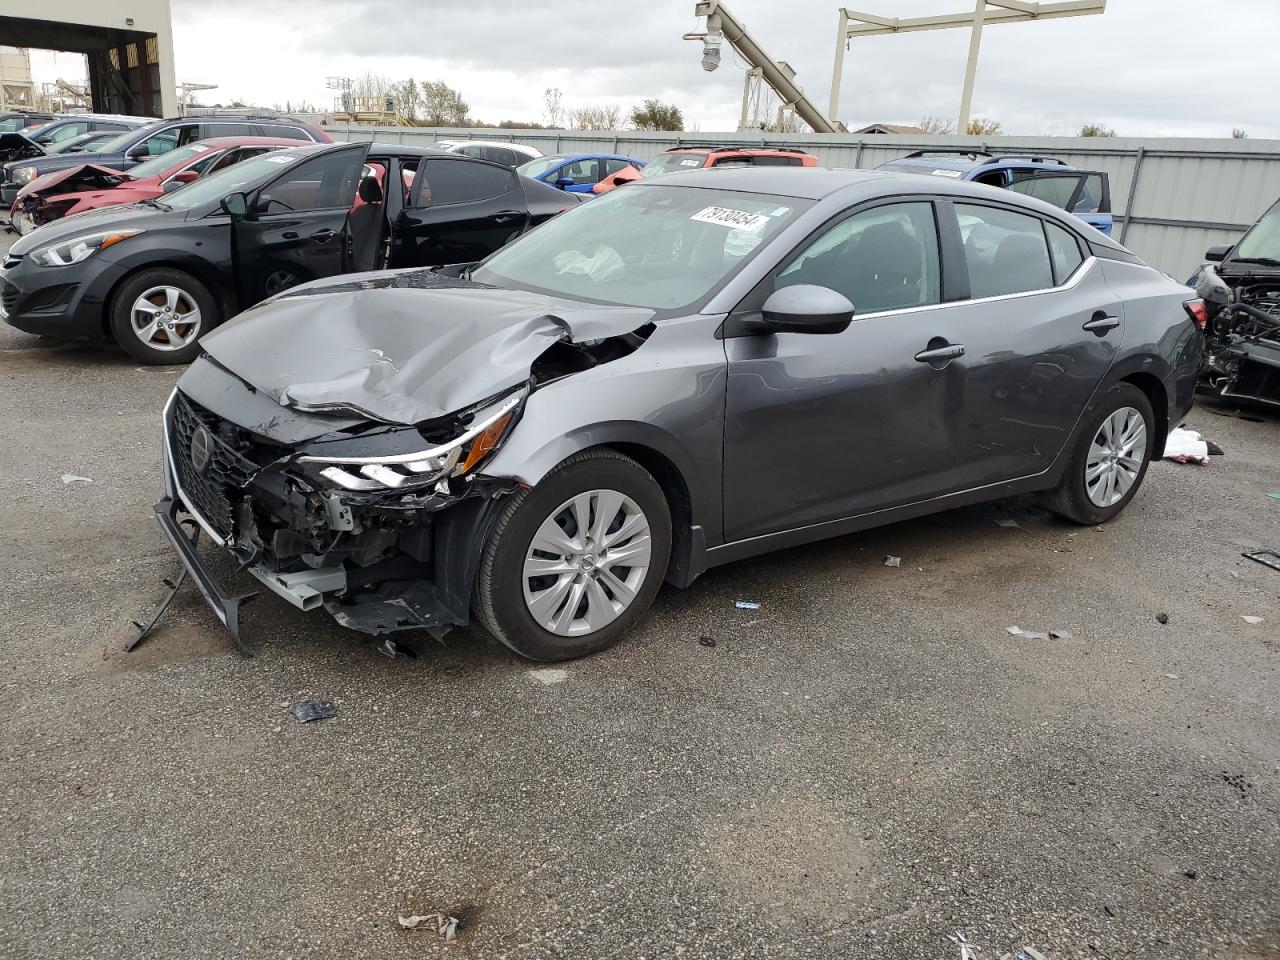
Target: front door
(297,227)
(460,210)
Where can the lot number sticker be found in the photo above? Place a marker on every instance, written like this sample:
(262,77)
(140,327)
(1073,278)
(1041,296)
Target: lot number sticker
(728,217)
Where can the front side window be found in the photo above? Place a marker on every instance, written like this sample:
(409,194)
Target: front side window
(324,183)
(67,132)
(160,143)
(1005,252)
(647,246)
(885,258)
(238,178)
(581,171)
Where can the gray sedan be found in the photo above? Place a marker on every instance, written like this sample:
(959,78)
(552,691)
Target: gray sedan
(694,370)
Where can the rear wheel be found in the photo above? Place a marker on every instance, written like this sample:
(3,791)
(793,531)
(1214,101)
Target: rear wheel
(1108,459)
(573,563)
(158,316)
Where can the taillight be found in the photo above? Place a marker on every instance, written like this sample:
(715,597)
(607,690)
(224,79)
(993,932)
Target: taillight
(1196,311)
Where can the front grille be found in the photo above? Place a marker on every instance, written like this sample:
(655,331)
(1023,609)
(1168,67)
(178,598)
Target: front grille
(215,492)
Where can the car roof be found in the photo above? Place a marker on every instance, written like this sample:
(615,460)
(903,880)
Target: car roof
(967,162)
(218,143)
(586,155)
(743,150)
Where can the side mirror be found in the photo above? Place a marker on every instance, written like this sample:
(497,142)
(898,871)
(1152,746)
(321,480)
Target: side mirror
(236,204)
(180,180)
(140,152)
(1217,254)
(564,183)
(807,308)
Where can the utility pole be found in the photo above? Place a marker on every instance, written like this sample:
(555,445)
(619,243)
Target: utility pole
(971,66)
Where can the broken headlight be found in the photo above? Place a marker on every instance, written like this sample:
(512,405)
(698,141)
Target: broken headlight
(24,174)
(405,471)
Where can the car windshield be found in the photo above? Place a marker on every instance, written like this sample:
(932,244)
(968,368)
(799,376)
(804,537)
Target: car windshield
(167,161)
(669,162)
(658,247)
(245,175)
(86,141)
(1262,242)
(536,168)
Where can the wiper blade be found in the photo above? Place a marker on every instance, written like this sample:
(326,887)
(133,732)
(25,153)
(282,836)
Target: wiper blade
(1264,261)
(148,202)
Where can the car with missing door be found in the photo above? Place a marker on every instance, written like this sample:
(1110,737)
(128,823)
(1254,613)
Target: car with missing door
(156,275)
(694,370)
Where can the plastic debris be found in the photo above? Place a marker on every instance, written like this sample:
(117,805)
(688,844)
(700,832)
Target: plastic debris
(746,605)
(1190,874)
(549,676)
(304,711)
(1268,558)
(1029,634)
(1009,522)
(968,951)
(707,641)
(70,478)
(390,648)
(1252,621)
(1059,634)
(1274,496)
(1171,676)
(1162,618)
(447,927)
(892,561)
(1186,446)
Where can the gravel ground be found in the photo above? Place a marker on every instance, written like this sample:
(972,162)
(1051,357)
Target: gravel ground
(863,766)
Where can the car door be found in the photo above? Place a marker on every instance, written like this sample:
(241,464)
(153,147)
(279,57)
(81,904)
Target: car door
(1084,193)
(296,228)
(460,210)
(820,427)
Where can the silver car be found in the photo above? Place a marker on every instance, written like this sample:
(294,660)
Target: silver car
(688,372)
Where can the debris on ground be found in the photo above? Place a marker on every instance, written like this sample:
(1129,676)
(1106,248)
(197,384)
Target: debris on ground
(549,676)
(304,711)
(892,561)
(1268,558)
(447,927)
(968,951)
(707,641)
(1059,634)
(390,648)
(1029,634)
(1274,496)
(1190,874)
(1025,953)
(1186,446)
(1009,523)
(1252,621)
(1162,618)
(746,605)
(1172,676)
(70,478)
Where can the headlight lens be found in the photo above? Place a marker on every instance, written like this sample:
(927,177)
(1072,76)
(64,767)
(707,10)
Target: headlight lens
(24,174)
(79,248)
(425,467)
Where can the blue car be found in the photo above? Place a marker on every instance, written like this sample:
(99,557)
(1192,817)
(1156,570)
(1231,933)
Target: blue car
(576,172)
(1085,193)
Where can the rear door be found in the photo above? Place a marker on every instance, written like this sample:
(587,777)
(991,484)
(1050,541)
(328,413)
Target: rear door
(460,210)
(1084,193)
(297,227)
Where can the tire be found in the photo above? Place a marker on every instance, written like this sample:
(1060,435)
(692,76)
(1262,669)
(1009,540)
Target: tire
(179,310)
(520,610)
(1083,494)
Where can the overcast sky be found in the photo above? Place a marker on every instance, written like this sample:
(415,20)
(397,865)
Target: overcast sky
(1145,67)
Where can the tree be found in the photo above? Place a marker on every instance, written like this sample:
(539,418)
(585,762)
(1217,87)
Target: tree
(936,126)
(408,97)
(656,115)
(553,106)
(1238,134)
(1096,130)
(442,106)
(596,117)
(980,126)
(519,125)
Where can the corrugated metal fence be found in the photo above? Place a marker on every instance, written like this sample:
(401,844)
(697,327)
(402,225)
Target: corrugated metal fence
(1172,198)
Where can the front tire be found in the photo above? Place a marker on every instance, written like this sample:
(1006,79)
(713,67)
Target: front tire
(158,316)
(575,562)
(1108,459)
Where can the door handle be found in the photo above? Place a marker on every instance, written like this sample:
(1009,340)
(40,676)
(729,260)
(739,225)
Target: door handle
(323,236)
(1101,323)
(948,351)
(505,215)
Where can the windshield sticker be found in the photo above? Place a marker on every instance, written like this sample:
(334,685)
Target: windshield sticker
(733,219)
(276,158)
(956,174)
(689,163)
(199,147)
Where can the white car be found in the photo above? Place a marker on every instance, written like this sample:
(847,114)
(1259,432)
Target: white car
(508,154)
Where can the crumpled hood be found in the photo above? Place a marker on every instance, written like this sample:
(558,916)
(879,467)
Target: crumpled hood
(85,173)
(402,346)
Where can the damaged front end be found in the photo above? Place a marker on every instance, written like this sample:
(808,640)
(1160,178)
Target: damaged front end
(1242,335)
(56,195)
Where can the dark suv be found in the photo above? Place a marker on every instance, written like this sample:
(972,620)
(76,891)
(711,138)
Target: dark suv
(151,141)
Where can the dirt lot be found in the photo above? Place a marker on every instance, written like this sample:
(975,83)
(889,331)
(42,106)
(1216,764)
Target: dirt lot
(863,766)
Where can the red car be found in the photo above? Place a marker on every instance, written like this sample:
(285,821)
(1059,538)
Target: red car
(64,192)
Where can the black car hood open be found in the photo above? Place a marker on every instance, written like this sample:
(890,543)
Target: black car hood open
(18,146)
(402,346)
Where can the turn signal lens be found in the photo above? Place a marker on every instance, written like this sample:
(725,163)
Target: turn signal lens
(484,443)
(1197,311)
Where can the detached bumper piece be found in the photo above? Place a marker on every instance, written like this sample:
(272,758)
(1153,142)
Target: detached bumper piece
(226,609)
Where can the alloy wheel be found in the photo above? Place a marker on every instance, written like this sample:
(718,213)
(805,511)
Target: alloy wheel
(165,318)
(586,563)
(1115,457)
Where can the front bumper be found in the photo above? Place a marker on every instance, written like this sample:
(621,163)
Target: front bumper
(9,193)
(68,303)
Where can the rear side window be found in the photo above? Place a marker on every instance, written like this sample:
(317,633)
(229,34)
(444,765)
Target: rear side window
(775,161)
(228,130)
(279,130)
(458,181)
(613,166)
(1005,252)
(1065,250)
(503,155)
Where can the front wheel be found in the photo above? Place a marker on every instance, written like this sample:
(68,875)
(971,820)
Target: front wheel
(158,316)
(1109,458)
(573,563)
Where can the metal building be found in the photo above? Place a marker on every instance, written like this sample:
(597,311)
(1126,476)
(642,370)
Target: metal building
(128,45)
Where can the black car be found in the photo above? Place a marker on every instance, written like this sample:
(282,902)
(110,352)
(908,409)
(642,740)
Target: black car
(150,140)
(34,142)
(157,275)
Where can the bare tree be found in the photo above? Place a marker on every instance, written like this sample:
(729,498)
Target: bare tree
(980,126)
(596,117)
(553,106)
(1096,130)
(936,126)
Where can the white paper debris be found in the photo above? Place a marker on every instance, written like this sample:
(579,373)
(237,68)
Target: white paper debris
(1186,446)
(892,561)
(1009,522)
(447,927)
(549,676)
(68,478)
(746,605)
(1252,620)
